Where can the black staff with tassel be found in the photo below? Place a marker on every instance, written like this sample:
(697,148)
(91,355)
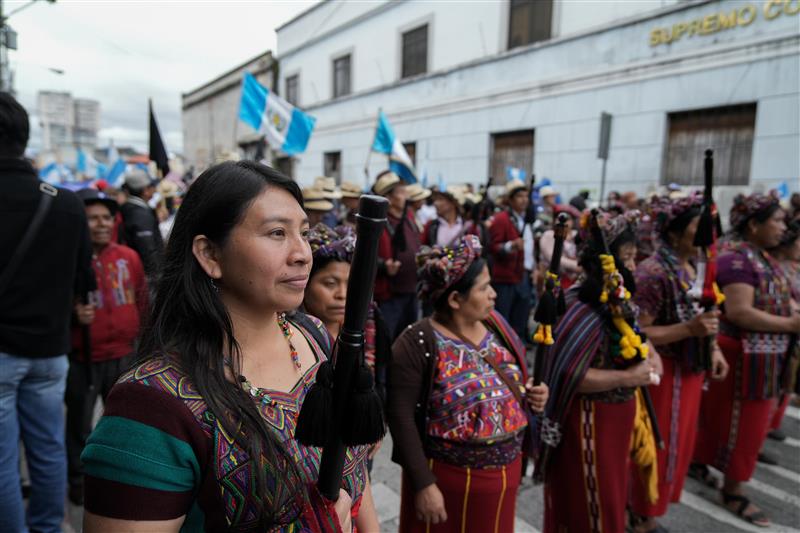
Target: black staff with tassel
(705,238)
(551,305)
(345,385)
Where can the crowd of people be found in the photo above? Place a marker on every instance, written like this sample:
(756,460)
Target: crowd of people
(203,316)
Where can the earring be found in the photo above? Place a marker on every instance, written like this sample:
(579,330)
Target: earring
(214,285)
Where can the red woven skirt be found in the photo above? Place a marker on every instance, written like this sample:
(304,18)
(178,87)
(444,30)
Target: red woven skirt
(732,429)
(476,500)
(677,404)
(586,486)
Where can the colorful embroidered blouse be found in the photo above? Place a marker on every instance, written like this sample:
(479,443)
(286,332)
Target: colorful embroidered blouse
(470,403)
(159,453)
(763,353)
(662,287)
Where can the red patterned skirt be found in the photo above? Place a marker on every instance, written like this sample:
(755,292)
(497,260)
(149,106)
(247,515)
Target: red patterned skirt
(586,486)
(677,404)
(732,429)
(476,500)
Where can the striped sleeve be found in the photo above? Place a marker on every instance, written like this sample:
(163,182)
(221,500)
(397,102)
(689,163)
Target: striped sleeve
(141,461)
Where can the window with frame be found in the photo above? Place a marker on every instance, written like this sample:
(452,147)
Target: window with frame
(411,150)
(415,52)
(529,21)
(511,149)
(292,89)
(285,165)
(726,130)
(332,165)
(341,76)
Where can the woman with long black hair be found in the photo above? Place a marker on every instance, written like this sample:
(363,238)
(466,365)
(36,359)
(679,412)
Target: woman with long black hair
(198,435)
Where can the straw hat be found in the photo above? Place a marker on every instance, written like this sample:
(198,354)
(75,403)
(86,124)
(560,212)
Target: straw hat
(416,192)
(328,185)
(350,190)
(386,183)
(315,200)
(513,186)
(547,191)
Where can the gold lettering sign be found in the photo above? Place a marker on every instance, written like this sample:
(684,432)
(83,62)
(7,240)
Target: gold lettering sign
(723,20)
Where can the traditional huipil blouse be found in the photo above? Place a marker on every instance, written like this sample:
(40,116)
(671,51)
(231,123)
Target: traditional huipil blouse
(662,291)
(763,353)
(159,453)
(470,406)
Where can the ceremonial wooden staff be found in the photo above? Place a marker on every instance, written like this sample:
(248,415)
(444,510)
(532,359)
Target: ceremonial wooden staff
(343,409)
(706,238)
(640,355)
(551,305)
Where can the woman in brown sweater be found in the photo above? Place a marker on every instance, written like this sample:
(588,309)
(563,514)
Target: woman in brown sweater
(458,407)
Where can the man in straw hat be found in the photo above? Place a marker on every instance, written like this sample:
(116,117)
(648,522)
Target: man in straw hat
(448,225)
(417,195)
(316,206)
(396,282)
(512,253)
(331,193)
(350,195)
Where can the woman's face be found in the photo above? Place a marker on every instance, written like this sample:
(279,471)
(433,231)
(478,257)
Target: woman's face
(627,255)
(327,292)
(266,260)
(768,233)
(479,301)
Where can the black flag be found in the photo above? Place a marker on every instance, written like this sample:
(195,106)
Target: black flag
(158,152)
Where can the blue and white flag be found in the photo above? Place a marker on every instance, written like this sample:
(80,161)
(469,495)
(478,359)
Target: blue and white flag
(513,173)
(56,173)
(387,143)
(286,127)
(783,191)
(117,167)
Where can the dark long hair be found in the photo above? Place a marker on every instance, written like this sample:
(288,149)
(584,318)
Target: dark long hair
(190,325)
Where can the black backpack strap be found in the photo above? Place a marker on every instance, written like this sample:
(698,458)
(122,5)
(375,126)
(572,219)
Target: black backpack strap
(45,202)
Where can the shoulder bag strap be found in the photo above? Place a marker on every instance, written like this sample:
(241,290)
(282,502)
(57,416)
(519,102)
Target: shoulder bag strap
(45,201)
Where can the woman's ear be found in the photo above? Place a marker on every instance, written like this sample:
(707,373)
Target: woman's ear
(454,301)
(207,254)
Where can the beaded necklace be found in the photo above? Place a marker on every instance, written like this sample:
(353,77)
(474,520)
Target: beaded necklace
(261,394)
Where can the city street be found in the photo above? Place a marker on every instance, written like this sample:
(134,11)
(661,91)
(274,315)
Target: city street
(776,489)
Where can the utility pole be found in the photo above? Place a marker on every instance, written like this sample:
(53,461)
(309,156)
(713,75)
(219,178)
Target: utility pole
(8,41)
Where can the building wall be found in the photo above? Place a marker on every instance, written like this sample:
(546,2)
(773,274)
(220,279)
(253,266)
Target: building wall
(87,122)
(210,116)
(57,117)
(559,88)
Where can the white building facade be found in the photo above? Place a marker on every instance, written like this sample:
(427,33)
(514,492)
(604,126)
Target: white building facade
(473,88)
(210,116)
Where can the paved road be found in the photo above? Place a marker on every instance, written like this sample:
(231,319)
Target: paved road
(775,489)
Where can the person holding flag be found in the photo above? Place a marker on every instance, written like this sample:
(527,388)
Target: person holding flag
(396,282)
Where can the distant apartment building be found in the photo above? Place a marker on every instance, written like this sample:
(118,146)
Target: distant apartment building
(210,116)
(67,122)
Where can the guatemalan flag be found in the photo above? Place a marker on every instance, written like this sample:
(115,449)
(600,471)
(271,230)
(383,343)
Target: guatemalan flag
(117,168)
(386,143)
(285,127)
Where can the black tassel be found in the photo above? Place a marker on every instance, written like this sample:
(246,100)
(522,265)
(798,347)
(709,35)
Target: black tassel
(315,422)
(562,303)
(546,309)
(364,422)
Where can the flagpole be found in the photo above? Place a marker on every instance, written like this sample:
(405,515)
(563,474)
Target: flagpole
(369,153)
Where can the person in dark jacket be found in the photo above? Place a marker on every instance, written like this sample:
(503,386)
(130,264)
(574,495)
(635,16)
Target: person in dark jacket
(140,223)
(35,308)
(112,315)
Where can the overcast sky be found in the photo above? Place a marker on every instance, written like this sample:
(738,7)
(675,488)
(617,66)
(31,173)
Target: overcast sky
(121,52)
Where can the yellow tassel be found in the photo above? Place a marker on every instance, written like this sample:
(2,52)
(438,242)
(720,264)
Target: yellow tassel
(643,450)
(538,337)
(548,335)
(719,294)
(604,297)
